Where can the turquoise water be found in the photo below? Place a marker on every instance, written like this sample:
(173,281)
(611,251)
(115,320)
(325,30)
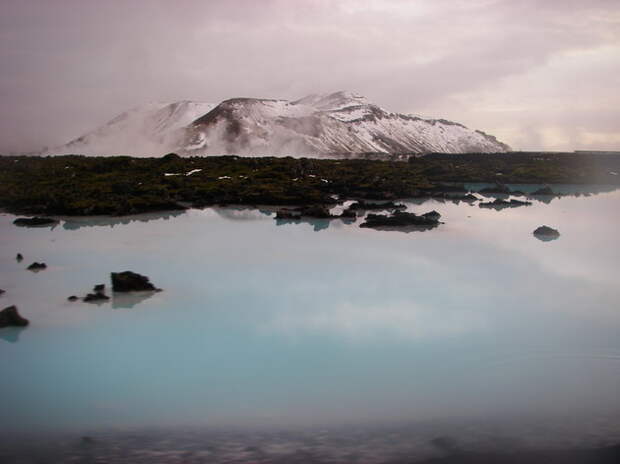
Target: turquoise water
(308,324)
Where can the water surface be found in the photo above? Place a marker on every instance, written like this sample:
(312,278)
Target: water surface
(319,324)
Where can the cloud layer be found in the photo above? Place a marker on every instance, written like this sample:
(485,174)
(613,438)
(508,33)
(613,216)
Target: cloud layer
(538,75)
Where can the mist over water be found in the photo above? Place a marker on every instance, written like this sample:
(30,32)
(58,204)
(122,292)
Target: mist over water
(306,325)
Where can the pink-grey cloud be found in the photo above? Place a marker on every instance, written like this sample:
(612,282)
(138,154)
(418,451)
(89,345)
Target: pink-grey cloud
(540,75)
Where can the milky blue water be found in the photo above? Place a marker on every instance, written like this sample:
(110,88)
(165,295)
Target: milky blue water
(316,324)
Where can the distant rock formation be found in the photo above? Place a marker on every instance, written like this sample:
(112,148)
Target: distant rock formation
(335,124)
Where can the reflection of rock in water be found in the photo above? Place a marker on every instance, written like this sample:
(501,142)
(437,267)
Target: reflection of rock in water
(130,299)
(11,334)
(317,224)
(74,223)
(547,238)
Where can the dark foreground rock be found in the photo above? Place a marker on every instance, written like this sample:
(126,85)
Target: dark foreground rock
(401,219)
(35,221)
(37,266)
(19,257)
(131,282)
(546,233)
(11,317)
(99,288)
(1,291)
(73,298)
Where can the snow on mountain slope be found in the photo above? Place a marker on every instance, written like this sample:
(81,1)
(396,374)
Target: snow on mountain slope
(148,130)
(338,123)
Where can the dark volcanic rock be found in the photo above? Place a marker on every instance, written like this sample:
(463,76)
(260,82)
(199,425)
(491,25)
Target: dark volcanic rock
(348,213)
(10,316)
(316,211)
(363,205)
(501,204)
(468,197)
(96,297)
(546,233)
(433,215)
(19,257)
(73,298)
(37,266)
(544,191)
(1,291)
(449,188)
(400,219)
(497,188)
(99,288)
(34,221)
(130,281)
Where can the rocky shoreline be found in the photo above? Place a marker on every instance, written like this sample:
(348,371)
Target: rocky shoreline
(121,185)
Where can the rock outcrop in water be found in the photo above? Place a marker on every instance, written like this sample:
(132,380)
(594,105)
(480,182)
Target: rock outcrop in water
(546,233)
(37,266)
(11,317)
(129,281)
(35,222)
(19,258)
(96,297)
(364,205)
(498,203)
(401,219)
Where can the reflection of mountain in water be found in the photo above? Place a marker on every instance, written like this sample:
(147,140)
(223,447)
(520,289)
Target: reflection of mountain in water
(242,213)
(11,334)
(74,223)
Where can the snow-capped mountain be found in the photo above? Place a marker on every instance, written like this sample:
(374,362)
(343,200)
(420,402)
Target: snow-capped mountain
(147,130)
(337,123)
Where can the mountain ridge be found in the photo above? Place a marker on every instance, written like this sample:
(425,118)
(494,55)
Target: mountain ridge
(338,123)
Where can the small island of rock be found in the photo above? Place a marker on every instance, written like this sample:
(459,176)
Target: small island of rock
(37,266)
(131,282)
(11,317)
(402,219)
(35,222)
(546,233)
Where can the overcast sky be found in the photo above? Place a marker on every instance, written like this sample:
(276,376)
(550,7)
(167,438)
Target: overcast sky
(537,74)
